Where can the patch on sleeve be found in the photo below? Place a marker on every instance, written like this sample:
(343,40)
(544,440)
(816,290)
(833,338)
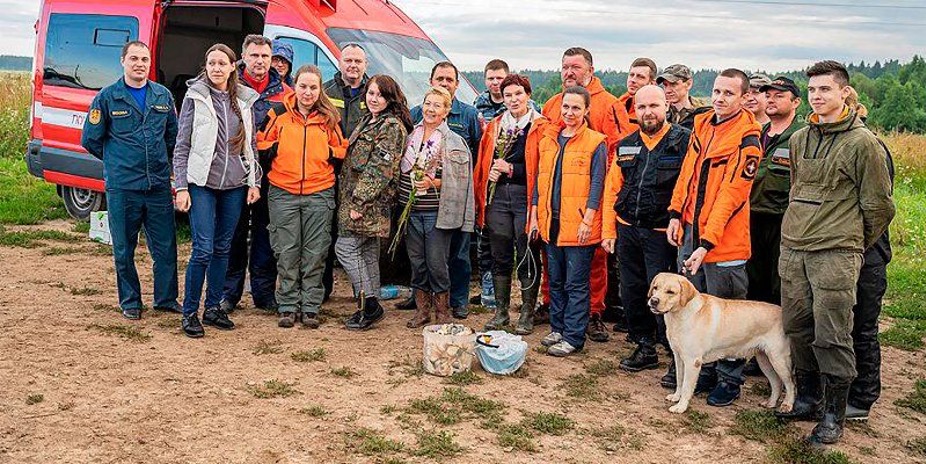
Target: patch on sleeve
(782,157)
(750,167)
(95,116)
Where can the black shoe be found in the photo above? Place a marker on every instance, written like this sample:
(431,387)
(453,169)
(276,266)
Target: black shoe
(856,414)
(133,314)
(171,308)
(476,299)
(310,321)
(287,320)
(596,330)
(669,380)
(270,307)
(707,380)
(217,318)
(460,313)
(191,326)
(808,403)
(408,303)
(835,395)
(752,369)
(644,357)
(227,306)
(372,313)
(621,325)
(724,394)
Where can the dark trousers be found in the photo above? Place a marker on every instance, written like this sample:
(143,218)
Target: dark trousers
(460,268)
(429,252)
(213,218)
(866,388)
(642,254)
(257,258)
(762,267)
(129,211)
(569,269)
(506,219)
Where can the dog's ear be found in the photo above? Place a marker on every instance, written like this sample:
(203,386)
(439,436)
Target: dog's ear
(687,292)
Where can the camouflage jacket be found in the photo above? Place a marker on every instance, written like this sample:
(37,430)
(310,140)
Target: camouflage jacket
(369,176)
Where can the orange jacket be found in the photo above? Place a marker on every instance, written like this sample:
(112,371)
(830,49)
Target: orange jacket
(712,192)
(487,155)
(627,115)
(575,184)
(304,148)
(604,115)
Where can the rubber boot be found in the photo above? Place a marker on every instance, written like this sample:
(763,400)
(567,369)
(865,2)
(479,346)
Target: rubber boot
(529,291)
(502,303)
(835,395)
(422,310)
(808,402)
(441,302)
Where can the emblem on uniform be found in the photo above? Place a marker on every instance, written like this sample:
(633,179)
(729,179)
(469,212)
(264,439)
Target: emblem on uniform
(751,167)
(95,116)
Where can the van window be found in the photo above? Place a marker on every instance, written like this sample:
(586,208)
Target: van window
(83,51)
(305,52)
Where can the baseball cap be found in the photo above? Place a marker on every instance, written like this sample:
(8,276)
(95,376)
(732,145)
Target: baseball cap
(783,84)
(674,73)
(758,80)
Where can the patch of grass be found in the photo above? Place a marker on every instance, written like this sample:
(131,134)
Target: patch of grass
(59,251)
(126,332)
(549,423)
(540,349)
(697,421)
(388,409)
(268,347)
(32,238)
(437,444)
(409,367)
(463,379)
(370,442)
(760,426)
(26,199)
(905,334)
(66,406)
(81,227)
(85,291)
(916,400)
(601,368)
(479,309)
(454,405)
(34,398)
(314,411)
(317,354)
(516,437)
(273,388)
(760,388)
(795,450)
(106,307)
(343,372)
(580,386)
(168,323)
(917,446)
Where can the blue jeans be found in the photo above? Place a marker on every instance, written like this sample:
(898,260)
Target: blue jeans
(213,218)
(460,268)
(129,210)
(569,269)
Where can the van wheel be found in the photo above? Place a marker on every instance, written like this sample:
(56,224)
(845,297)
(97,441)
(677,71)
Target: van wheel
(79,203)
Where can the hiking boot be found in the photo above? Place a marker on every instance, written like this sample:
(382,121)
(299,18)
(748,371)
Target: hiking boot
(217,318)
(856,414)
(829,430)
(191,326)
(551,339)
(423,305)
(461,312)
(441,304)
(596,330)
(502,303)
(561,349)
(724,394)
(707,380)
(808,404)
(287,320)
(528,303)
(542,314)
(310,321)
(364,319)
(644,357)
(132,314)
(408,303)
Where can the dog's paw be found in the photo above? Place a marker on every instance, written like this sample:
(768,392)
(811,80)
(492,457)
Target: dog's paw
(678,408)
(785,407)
(674,397)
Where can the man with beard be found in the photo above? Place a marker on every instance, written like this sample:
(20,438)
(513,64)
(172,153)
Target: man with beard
(638,190)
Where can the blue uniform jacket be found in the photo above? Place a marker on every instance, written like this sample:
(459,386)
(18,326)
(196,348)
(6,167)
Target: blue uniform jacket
(462,120)
(134,143)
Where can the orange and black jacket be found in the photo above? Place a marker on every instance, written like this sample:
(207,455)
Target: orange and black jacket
(640,182)
(487,155)
(628,114)
(606,114)
(712,193)
(301,149)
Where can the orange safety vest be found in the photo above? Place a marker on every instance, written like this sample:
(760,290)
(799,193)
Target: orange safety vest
(605,114)
(575,183)
(712,193)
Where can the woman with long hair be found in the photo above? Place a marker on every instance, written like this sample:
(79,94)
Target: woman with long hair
(303,139)
(505,173)
(216,172)
(367,191)
(436,185)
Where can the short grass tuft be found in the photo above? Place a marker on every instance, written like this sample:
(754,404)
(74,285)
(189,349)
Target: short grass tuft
(125,332)
(760,426)
(273,388)
(314,411)
(370,442)
(463,379)
(915,400)
(343,372)
(549,423)
(315,355)
(437,445)
(265,347)
(34,398)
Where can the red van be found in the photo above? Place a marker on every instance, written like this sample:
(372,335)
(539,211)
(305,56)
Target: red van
(79,41)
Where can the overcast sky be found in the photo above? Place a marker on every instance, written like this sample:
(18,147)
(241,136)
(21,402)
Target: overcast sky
(754,34)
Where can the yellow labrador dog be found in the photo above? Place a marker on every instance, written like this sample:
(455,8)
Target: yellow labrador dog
(703,329)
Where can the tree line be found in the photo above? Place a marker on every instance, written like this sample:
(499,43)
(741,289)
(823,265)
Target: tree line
(894,92)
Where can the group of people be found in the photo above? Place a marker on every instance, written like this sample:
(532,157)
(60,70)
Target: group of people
(583,202)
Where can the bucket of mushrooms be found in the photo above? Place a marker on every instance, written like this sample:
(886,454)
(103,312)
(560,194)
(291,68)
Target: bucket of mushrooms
(448,349)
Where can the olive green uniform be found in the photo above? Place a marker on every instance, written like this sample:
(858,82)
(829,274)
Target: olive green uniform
(840,204)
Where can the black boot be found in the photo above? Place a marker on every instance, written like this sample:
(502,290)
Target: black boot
(669,380)
(644,357)
(835,395)
(502,303)
(808,402)
(217,318)
(371,313)
(408,303)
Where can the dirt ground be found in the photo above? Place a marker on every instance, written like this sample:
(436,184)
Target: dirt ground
(79,388)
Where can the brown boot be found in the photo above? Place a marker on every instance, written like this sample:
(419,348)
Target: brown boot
(422,310)
(442,308)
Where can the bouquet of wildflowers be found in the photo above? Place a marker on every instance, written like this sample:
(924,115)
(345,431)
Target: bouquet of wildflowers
(424,162)
(503,146)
